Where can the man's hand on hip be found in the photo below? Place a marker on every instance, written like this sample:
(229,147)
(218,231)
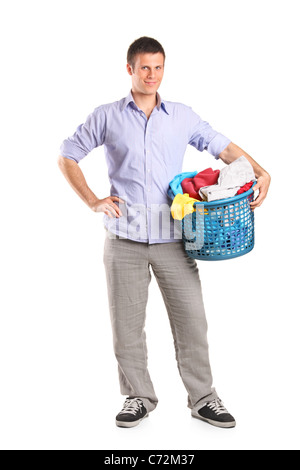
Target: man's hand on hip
(108,206)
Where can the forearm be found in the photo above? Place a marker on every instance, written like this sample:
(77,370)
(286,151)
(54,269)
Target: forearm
(232,152)
(76,179)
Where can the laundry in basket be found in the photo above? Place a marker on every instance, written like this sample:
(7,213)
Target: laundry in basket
(225,229)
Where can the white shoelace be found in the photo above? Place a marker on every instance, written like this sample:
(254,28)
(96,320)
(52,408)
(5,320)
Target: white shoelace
(217,406)
(132,406)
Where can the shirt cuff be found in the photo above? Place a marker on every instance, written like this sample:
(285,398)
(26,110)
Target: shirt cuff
(217,145)
(68,150)
(69,158)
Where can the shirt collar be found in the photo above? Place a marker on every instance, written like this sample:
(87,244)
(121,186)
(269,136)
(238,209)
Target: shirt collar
(129,100)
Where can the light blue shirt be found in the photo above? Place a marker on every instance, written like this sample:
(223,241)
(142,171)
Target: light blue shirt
(143,156)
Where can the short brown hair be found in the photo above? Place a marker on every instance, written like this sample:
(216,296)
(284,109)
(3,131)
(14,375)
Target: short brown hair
(143,45)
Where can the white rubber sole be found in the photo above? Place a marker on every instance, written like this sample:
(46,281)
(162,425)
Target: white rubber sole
(122,424)
(217,424)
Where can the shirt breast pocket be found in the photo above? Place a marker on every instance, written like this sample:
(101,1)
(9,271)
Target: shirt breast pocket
(172,142)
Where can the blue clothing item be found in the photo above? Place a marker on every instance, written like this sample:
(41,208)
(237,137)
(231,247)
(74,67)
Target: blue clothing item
(175,184)
(143,156)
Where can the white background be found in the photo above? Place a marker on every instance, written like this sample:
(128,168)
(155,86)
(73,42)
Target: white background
(236,64)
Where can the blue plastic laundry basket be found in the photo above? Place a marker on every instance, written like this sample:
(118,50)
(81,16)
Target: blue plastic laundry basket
(225,230)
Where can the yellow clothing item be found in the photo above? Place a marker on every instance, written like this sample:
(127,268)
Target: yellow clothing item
(182,205)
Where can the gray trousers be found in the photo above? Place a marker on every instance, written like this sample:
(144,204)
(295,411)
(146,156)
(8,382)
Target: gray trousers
(128,276)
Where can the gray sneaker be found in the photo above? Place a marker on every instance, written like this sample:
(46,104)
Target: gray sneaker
(216,414)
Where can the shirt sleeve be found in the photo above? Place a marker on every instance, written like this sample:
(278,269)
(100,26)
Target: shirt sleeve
(204,137)
(87,136)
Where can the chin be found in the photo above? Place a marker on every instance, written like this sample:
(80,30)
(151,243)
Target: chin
(151,91)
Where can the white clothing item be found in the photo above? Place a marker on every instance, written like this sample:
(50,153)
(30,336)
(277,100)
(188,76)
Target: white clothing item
(231,179)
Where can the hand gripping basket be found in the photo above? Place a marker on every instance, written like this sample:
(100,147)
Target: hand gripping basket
(224,230)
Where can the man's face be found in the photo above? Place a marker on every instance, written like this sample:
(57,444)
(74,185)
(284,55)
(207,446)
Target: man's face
(148,73)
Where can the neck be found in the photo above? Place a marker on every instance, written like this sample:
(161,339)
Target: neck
(144,101)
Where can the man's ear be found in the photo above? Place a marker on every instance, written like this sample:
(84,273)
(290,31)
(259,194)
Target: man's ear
(129,69)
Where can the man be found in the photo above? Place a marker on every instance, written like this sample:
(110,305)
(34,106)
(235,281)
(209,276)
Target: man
(144,139)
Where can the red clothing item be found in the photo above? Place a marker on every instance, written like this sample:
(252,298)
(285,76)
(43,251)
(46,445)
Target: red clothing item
(204,178)
(245,188)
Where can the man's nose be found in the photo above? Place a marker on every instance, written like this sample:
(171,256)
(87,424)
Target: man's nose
(151,73)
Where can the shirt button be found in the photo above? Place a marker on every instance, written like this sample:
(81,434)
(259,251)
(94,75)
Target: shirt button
(148,170)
